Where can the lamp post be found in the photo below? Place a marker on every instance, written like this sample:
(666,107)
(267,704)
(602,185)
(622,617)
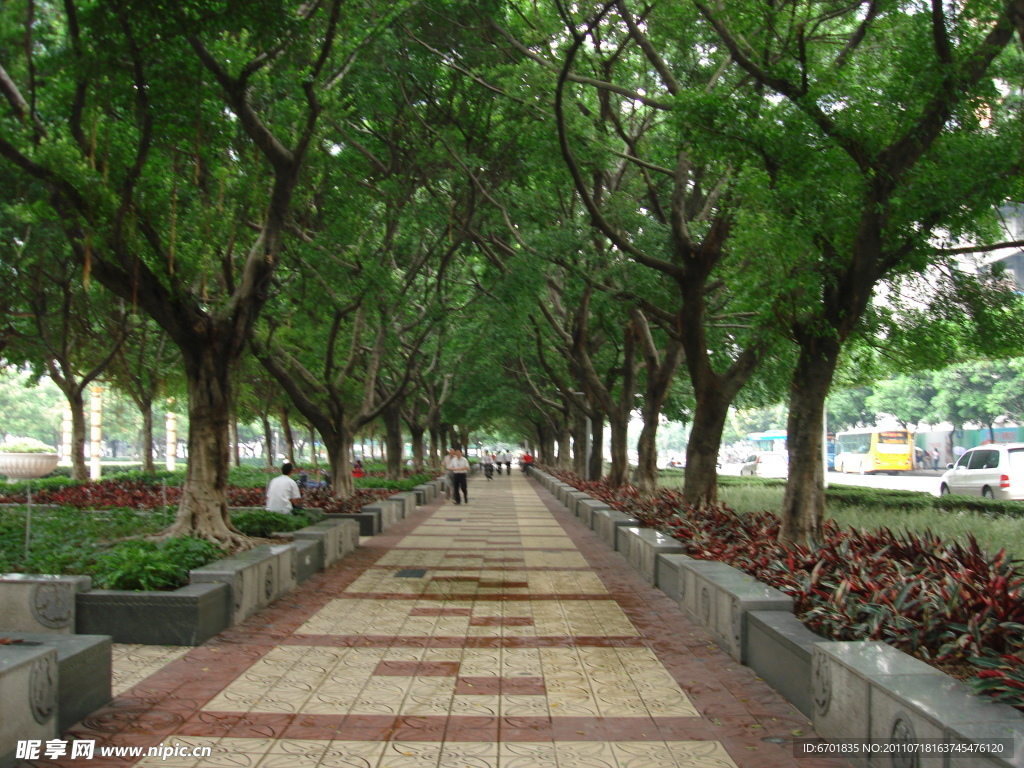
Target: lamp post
(171,452)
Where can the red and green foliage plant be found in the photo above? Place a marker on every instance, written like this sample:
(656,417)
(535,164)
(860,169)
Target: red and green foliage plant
(942,601)
(138,494)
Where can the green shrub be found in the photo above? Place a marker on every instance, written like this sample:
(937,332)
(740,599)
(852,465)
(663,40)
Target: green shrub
(979,504)
(146,565)
(26,445)
(855,496)
(261,523)
(405,484)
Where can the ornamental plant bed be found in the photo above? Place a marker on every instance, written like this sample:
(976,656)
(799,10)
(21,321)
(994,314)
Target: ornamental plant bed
(143,494)
(956,606)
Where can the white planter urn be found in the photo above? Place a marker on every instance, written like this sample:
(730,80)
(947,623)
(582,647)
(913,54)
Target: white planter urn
(25,466)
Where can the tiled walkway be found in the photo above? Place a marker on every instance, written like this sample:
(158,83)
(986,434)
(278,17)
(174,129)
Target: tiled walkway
(498,633)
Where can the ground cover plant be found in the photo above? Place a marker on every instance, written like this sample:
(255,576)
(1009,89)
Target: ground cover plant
(99,529)
(104,545)
(956,605)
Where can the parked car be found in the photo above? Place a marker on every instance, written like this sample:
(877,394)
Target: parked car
(766,464)
(995,471)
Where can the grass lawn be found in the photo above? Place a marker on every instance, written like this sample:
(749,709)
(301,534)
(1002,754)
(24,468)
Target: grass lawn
(992,532)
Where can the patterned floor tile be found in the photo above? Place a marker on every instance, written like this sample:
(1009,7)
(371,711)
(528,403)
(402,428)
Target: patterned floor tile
(524,644)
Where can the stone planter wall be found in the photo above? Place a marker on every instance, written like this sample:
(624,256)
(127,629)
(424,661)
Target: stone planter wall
(607,523)
(407,501)
(256,577)
(641,547)
(187,616)
(83,672)
(850,690)
(37,603)
(587,508)
(28,697)
(337,538)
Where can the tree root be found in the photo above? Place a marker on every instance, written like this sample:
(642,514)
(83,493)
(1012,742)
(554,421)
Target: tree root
(229,541)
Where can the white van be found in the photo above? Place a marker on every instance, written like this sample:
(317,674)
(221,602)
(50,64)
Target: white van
(995,471)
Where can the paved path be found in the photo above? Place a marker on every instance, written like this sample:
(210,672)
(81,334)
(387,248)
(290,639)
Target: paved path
(494,634)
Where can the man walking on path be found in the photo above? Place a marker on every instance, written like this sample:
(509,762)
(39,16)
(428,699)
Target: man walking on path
(459,467)
(283,493)
(506,459)
(487,462)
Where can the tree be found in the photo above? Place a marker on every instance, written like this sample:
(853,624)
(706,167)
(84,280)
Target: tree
(870,124)
(660,198)
(169,145)
(142,368)
(71,333)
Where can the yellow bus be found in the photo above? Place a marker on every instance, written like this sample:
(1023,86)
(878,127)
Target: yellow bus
(874,450)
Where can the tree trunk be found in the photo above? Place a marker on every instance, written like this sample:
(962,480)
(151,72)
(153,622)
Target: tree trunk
(268,442)
(579,444)
(203,511)
(313,458)
(392,416)
(701,483)
(564,459)
(596,469)
(661,370)
(803,506)
(146,447)
(339,458)
(417,447)
(647,450)
(79,469)
(289,439)
(435,445)
(618,474)
(546,449)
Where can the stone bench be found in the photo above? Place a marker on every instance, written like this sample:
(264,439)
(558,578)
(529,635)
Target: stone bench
(336,538)
(587,508)
(607,523)
(869,690)
(83,672)
(386,510)
(190,615)
(407,501)
(40,603)
(369,521)
(28,697)
(256,577)
(779,648)
(718,597)
(573,499)
(641,548)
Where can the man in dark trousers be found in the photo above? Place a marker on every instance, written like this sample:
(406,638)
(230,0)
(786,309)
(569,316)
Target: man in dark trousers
(459,468)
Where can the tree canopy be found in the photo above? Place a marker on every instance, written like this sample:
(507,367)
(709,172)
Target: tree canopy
(457,217)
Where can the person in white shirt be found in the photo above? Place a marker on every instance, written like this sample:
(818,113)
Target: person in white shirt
(506,459)
(487,461)
(459,467)
(283,493)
